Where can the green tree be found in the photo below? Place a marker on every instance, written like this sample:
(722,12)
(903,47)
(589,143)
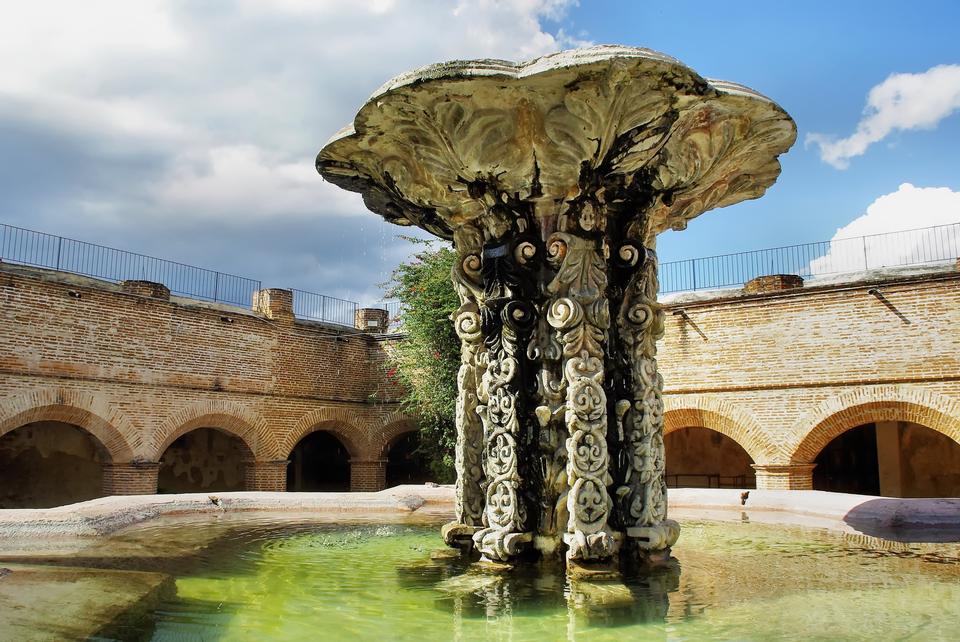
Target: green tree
(426,361)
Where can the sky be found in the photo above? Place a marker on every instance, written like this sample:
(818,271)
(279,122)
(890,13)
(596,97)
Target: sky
(188,129)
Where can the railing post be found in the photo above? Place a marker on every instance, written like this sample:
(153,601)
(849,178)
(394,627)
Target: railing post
(216,285)
(59,247)
(693,269)
(864,239)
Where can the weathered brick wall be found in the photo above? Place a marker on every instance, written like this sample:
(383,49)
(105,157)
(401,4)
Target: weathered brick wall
(781,372)
(137,372)
(784,372)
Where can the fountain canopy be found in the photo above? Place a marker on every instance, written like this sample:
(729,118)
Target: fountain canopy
(553,178)
(606,115)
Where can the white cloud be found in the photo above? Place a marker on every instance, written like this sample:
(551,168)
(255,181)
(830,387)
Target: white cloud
(157,125)
(931,213)
(240,183)
(901,102)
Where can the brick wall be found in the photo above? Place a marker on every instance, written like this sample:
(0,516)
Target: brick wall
(781,372)
(784,372)
(137,370)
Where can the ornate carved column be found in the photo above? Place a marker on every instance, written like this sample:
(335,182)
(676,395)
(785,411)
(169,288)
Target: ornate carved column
(471,483)
(553,178)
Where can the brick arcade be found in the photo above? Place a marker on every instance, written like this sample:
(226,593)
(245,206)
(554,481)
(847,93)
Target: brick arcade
(850,385)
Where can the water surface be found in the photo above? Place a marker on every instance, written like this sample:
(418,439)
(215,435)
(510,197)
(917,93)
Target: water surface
(254,580)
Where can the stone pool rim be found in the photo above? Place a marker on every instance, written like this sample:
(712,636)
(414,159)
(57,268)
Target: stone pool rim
(880,519)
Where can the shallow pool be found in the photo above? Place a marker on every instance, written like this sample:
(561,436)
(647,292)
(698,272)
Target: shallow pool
(254,580)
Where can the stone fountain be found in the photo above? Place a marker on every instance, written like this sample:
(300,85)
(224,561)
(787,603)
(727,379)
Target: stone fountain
(553,178)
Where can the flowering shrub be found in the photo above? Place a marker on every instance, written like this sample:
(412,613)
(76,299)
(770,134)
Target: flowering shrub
(426,361)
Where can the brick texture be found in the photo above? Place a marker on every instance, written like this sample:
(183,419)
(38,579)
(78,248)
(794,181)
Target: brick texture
(781,372)
(784,372)
(137,371)
(366,475)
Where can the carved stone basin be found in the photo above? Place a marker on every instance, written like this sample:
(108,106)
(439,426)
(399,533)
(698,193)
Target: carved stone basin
(553,178)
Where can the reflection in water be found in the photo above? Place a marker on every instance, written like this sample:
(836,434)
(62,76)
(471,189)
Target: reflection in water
(495,593)
(216,579)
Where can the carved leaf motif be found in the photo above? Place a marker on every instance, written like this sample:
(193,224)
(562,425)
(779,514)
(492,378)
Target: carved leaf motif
(601,111)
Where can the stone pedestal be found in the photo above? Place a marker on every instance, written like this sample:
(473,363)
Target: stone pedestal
(376,320)
(784,476)
(274,303)
(553,178)
(543,399)
(130,478)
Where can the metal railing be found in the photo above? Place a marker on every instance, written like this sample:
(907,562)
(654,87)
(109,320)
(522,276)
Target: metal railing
(910,247)
(394,313)
(320,307)
(709,480)
(28,247)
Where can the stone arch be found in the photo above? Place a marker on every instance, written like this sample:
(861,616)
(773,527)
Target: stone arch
(822,424)
(337,421)
(726,419)
(394,426)
(231,418)
(108,426)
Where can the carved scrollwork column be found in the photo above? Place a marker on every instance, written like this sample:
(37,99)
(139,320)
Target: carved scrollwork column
(508,318)
(551,176)
(579,313)
(466,319)
(640,321)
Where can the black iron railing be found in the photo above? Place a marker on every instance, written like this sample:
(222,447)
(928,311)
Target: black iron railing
(909,247)
(927,245)
(393,313)
(29,247)
(710,480)
(320,307)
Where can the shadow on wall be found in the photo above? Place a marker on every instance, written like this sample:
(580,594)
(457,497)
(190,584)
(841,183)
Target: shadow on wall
(406,463)
(49,463)
(203,460)
(908,520)
(699,457)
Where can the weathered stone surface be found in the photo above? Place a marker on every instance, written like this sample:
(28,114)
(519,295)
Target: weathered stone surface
(773,283)
(549,130)
(553,178)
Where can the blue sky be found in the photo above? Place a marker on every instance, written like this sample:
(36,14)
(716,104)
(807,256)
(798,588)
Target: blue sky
(818,60)
(188,130)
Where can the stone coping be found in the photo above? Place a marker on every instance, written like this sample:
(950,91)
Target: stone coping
(882,519)
(49,275)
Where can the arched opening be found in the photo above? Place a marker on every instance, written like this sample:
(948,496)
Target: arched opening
(891,459)
(50,463)
(698,457)
(406,464)
(848,464)
(203,460)
(319,462)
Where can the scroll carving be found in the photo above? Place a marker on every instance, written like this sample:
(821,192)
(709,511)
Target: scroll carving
(553,178)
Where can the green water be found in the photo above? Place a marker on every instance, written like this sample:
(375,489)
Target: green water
(730,581)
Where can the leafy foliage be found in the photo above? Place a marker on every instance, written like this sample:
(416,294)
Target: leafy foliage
(427,360)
